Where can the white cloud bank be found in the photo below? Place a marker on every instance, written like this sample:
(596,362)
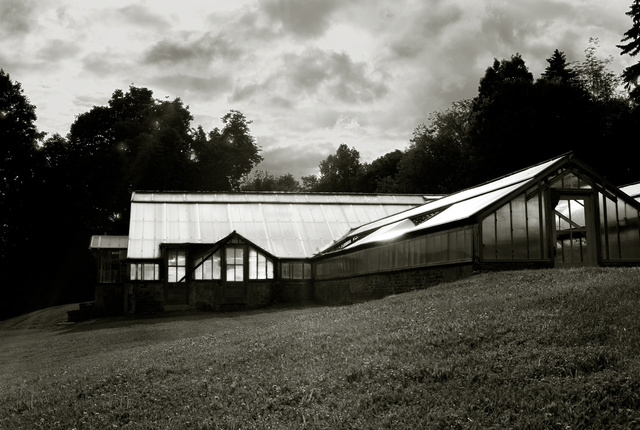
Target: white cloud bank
(311,74)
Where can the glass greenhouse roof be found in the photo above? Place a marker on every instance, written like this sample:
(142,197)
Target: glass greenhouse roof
(105,242)
(287,225)
(632,190)
(455,207)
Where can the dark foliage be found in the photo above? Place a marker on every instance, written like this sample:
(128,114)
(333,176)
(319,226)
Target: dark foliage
(631,74)
(59,191)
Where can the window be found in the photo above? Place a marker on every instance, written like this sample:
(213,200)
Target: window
(260,267)
(207,268)
(112,266)
(176,265)
(235,263)
(515,230)
(296,270)
(144,271)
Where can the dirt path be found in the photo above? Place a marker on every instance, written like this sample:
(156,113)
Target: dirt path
(40,319)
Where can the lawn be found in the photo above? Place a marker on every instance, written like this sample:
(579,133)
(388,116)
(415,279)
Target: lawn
(545,349)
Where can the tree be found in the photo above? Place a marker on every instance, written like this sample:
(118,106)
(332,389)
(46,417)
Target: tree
(340,172)
(309,183)
(500,121)
(20,162)
(595,76)
(21,165)
(265,181)
(437,159)
(133,143)
(225,156)
(558,70)
(631,74)
(24,225)
(380,175)
(500,74)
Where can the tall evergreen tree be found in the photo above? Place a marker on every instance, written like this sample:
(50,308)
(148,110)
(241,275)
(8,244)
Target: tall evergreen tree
(631,74)
(558,70)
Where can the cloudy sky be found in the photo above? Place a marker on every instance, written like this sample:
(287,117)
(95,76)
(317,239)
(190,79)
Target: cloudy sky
(310,74)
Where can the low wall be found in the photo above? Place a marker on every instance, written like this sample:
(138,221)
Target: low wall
(378,285)
(109,299)
(297,292)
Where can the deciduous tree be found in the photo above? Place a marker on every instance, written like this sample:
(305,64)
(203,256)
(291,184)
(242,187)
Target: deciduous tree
(340,172)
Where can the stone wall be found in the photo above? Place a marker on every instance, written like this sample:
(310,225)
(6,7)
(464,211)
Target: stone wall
(378,285)
(109,299)
(294,291)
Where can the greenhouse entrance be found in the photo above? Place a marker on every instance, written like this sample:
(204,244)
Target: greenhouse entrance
(574,231)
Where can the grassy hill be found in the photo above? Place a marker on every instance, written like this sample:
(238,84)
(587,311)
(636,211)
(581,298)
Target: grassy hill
(542,349)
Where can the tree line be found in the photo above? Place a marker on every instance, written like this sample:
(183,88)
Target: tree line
(513,122)
(56,191)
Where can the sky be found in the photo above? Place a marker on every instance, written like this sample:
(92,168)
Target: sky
(310,74)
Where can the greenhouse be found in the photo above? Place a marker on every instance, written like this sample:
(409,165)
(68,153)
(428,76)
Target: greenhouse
(216,251)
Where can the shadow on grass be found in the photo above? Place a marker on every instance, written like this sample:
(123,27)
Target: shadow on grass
(152,318)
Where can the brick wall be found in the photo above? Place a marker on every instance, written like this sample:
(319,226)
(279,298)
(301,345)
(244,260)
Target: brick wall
(378,285)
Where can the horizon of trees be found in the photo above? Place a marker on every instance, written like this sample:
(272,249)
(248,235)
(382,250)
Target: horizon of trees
(515,121)
(56,191)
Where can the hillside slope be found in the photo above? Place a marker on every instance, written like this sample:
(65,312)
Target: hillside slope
(530,349)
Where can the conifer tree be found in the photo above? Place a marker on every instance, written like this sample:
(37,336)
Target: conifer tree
(631,74)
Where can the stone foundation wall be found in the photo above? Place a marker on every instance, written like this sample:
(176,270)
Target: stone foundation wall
(378,285)
(109,299)
(295,291)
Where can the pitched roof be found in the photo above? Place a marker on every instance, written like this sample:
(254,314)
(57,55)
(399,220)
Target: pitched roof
(287,225)
(108,242)
(633,190)
(455,207)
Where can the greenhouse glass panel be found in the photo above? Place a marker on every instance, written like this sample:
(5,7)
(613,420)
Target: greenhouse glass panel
(489,249)
(454,248)
(253,264)
(503,233)
(386,258)
(297,270)
(533,227)
(269,269)
(612,229)
(418,251)
(372,257)
(603,227)
(438,252)
(543,225)
(285,270)
(629,231)
(263,267)
(402,255)
(519,228)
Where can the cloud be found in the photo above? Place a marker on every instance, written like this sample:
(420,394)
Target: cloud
(190,87)
(57,50)
(89,101)
(307,18)
(203,50)
(139,15)
(16,17)
(336,73)
(425,28)
(105,63)
(299,160)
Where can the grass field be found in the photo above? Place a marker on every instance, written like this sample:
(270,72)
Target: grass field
(541,349)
